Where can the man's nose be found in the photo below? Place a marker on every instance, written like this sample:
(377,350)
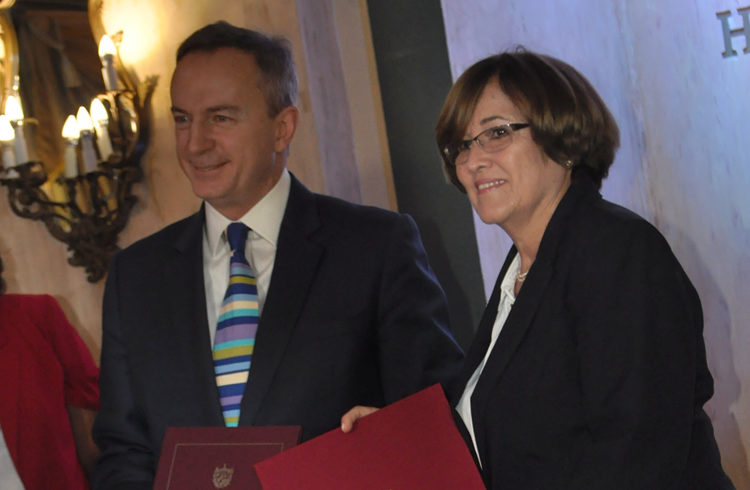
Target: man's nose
(199,138)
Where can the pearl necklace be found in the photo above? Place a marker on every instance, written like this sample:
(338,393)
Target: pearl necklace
(521,276)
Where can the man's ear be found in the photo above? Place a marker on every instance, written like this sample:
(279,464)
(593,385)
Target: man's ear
(286,124)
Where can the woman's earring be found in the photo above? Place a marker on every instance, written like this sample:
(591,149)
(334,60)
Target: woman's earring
(568,164)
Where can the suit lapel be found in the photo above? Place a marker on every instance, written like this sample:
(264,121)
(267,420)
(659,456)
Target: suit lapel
(297,259)
(188,309)
(524,309)
(484,332)
(520,318)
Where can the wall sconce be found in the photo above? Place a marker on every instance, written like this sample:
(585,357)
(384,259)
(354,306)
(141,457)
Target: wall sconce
(87,204)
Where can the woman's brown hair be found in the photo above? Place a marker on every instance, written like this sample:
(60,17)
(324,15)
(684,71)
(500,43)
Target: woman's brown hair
(567,117)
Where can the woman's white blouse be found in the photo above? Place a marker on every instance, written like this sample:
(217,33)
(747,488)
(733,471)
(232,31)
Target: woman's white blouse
(507,298)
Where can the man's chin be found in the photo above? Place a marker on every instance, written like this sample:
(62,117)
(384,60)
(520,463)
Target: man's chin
(207,193)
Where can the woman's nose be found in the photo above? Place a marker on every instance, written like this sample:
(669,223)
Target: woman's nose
(475,157)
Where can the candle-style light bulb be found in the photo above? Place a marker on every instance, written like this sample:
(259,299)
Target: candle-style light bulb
(107,52)
(7,136)
(86,128)
(70,129)
(14,113)
(101,124)
(84,120)
(98,112)
(106,46)
(70,133)
(13,109)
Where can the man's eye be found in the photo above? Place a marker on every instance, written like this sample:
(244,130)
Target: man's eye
(221,118)
(180,119)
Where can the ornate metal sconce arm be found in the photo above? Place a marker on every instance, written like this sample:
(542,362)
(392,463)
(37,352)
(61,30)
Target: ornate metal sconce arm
(88,211)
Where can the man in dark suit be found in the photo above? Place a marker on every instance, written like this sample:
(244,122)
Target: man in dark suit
(349,310)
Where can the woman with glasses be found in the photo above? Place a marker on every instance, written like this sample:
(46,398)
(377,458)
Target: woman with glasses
(588,369)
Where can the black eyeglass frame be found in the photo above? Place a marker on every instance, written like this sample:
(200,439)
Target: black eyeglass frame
(450,153)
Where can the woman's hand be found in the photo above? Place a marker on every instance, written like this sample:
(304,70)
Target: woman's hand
(356,413)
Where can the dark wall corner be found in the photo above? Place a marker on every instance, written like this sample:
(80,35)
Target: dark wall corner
(414,75)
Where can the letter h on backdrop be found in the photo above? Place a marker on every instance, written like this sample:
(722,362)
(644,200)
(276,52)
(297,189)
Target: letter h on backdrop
(739,31)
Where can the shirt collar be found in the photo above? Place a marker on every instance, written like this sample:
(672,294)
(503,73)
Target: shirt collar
(509,281)
(264,218)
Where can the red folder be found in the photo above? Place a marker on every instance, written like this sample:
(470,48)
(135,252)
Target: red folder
(411,444)
(217,457)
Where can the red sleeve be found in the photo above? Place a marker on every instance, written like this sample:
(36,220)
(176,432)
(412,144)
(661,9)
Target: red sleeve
(79,370)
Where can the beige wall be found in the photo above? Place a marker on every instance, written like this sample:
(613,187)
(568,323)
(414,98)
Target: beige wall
(339,147)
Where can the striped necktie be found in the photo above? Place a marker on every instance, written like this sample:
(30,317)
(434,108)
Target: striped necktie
(235,331)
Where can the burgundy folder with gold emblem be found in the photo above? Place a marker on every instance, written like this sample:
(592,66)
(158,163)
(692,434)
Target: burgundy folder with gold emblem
(410,444)
(218,457)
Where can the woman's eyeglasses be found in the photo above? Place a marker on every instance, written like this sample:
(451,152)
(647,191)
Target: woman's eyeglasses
(491,140)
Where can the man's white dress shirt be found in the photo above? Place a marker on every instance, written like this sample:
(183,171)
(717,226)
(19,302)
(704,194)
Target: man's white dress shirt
(264,221)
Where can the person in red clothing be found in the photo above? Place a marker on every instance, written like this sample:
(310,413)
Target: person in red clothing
(48,397)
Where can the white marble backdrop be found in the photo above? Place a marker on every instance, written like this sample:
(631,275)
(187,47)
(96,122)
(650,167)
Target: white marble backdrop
(684,162)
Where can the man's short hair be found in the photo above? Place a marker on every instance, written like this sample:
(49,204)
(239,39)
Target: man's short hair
(273,56)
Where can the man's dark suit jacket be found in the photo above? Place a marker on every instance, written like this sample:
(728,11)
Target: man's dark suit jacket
(599,375)
(353,316)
